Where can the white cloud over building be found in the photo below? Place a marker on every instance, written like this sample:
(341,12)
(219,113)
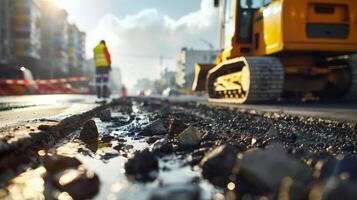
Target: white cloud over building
(137,41)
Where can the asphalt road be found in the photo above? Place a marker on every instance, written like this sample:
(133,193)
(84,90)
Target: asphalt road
(21,109)
(17,109)
(334,110)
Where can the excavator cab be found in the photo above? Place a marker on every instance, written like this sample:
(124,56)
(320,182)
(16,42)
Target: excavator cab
(274,48)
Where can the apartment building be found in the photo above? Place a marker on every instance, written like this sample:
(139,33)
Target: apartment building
(5,55)
(186,64)
(36,34)
(76,50)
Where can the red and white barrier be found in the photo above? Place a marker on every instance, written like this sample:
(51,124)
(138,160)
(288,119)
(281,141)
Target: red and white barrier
(50,86)
(41,82)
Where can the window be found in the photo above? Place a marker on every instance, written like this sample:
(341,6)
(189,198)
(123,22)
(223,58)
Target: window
(245,26)
(252,4)
(228,22)
(245,19)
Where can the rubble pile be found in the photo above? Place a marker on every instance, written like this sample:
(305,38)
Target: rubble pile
(242,154)
(254,156)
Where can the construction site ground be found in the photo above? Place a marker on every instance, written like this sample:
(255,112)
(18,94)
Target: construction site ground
(179,148)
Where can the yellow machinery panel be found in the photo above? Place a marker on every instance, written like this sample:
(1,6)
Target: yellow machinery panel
(297,25)
(284,46)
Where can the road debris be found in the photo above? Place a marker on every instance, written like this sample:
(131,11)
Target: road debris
(217,165)
(54,164)
(155,128)
(105,115)
(141,165)
(197,151)
(266,169)
(89,135)
(190,137)
(161,147)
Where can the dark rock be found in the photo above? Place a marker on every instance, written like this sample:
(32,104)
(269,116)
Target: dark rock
(142,163)
(176,126)
(265,169)
(127,147)
(190,137)
(161,147)
(218,164)
(78,183)
(176,192)
(123,147)
(121,140)
(109,156)
(118,147)
(107,138)
(155,128)
(54,164)
(336,167)
(89,133)
(105,115)
(44,127)
(165,168)
(121,121)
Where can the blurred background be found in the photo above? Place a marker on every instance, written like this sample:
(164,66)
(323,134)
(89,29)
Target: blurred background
(46,45)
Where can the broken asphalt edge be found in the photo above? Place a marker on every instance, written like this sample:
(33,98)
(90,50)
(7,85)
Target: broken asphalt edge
(25,151)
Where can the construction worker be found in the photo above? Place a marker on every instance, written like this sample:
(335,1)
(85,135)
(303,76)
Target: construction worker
(124,91)
(103,67)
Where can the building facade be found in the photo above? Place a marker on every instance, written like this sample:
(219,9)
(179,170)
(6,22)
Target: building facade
(27,32)
(187,60)
(63,48)
(55,39)
(168,79)
(20,33)
(76,50)
(4,32)
(37,35)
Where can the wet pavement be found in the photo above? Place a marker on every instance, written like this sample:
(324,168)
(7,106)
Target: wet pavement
(108,163)
(22,109)
(11,102)
(156,149)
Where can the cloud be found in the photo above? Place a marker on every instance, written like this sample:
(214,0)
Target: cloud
(137,41)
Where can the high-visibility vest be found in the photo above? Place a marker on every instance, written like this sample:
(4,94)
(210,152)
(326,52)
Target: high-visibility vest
(99,56)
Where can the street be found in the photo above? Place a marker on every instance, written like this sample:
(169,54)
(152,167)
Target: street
(152,148)
(16,109)
(178,100)
(19,109)
(335,110)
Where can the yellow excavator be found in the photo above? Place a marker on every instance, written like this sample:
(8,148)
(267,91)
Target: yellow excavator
(275,48)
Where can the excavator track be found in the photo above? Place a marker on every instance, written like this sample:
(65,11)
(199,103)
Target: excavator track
(262,80)
(352,95)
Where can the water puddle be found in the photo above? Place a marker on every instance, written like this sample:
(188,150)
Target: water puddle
(108,163)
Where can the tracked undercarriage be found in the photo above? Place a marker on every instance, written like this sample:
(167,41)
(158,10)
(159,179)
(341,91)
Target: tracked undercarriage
(256,79)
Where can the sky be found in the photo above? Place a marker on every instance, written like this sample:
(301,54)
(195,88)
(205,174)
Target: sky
(138,32)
